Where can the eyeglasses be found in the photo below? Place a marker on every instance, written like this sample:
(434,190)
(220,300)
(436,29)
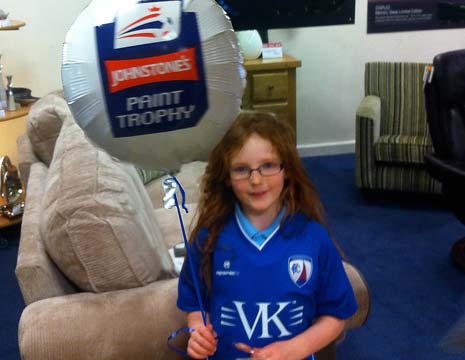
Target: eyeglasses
(266,169)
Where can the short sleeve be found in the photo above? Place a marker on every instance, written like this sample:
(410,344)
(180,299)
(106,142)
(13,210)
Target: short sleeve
(334,295)
(187,296)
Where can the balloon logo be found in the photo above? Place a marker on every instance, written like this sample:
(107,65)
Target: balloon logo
(153,83)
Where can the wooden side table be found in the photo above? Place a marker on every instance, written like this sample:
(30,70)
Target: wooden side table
(15,25)
(10,115)
(271,86)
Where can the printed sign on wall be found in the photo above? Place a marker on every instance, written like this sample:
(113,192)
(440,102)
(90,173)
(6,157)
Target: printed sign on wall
(413,15)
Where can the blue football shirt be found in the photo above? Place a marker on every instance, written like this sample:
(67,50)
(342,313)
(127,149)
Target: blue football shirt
(272,293)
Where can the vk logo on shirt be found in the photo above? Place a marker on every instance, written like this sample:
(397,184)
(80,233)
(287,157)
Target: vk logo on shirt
(257,318)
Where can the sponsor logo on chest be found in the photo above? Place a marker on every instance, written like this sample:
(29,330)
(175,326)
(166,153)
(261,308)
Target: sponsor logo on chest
(226,270)
(258,319)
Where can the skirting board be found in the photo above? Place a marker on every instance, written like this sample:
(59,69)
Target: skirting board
(322,149)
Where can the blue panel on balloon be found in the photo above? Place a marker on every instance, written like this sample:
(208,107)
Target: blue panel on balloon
(152,69)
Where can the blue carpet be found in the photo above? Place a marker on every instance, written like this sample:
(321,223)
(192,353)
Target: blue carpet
(11,301)
(401,244)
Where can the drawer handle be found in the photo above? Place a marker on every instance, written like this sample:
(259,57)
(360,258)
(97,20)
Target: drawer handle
(270,87)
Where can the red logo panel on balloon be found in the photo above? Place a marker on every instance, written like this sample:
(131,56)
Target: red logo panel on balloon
(124,74)
(152,69)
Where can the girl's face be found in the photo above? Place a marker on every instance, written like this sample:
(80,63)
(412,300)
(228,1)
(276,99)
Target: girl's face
(258,195)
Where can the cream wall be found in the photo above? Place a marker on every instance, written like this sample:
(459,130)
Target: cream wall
(329,83)
(33,53)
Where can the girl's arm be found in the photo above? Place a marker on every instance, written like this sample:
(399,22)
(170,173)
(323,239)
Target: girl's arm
(316,337)
(202,342)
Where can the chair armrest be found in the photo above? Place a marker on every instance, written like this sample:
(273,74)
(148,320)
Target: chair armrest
(370,108)
(362,295)
(367,127)
(26,157)
(37,275)
(116,325)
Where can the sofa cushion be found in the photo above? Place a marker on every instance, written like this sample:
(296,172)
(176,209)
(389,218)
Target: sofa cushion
(98,223)
(38,277)
(44,124)
(147,175)
(170,226)
(189,176)
(402,149)
(26,157)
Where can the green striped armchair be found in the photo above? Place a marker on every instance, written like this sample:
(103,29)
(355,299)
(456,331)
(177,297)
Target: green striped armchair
(392,134)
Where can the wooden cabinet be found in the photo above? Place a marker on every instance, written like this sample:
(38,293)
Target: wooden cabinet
(271,87)
(12,123)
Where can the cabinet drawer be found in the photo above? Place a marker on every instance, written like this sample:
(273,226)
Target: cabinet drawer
(270,86)
(280,109)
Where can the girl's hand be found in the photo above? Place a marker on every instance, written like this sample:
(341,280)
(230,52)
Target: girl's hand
(202,342)
(279,350)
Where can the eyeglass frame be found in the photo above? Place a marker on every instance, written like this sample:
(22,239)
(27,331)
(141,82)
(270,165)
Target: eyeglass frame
(259,169)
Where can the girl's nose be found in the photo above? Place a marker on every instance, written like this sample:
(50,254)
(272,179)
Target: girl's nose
(255,177)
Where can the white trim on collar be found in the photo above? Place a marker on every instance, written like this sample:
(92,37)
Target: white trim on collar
(254,243)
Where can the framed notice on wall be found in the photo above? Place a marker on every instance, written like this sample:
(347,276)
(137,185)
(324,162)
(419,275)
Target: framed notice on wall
(412,15)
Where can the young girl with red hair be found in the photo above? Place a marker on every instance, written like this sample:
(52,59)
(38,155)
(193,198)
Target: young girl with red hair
(271,279)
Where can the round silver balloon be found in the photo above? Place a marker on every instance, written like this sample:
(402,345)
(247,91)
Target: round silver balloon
(153,83)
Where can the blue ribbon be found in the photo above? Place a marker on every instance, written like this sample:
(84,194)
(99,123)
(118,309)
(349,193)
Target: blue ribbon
(168,186)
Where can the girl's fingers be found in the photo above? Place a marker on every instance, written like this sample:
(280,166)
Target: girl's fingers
(243,347)
(202,342)
(207,333)
(258,354)
(199,350)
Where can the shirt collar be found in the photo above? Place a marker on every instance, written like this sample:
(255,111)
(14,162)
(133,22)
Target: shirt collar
(258,238)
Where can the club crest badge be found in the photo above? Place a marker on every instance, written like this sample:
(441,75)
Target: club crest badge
(300,269)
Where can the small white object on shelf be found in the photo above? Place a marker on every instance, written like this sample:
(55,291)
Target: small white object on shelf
(5,23)
(272,50)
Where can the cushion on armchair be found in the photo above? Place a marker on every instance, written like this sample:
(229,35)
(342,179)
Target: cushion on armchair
(402,149)
(97,221)
(44,124)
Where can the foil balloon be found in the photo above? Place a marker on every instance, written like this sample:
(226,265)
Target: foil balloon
(153,83)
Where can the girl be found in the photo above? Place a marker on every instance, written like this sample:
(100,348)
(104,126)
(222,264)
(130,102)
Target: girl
(272,281)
